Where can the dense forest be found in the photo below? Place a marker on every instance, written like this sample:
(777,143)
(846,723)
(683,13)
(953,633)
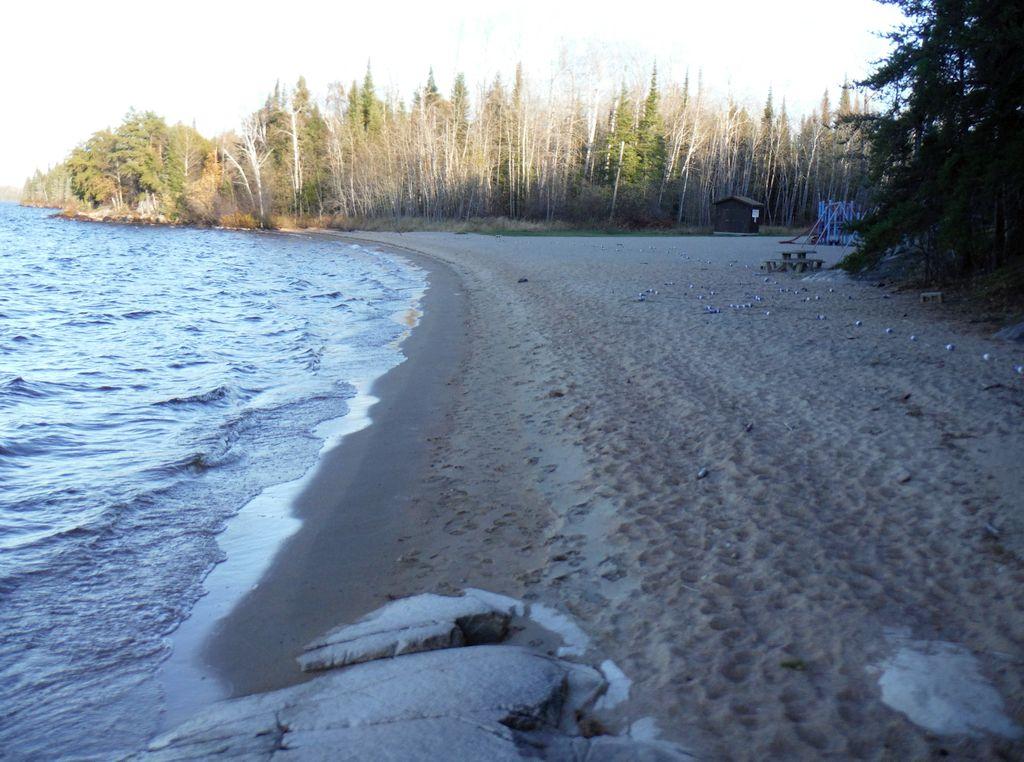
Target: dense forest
(565,150)
(947,160)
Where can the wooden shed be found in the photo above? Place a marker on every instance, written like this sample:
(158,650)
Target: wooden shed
(738,215)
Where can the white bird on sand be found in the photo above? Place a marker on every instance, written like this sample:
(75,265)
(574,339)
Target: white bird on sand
(950,347)
(767,312)
(888,330)
(857,323)
(986,357)
(913,337)
(1019,369)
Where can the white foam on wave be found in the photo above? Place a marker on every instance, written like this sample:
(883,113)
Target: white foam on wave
(252,539)
(249,543)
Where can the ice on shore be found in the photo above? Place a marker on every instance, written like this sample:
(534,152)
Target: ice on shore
(1011,333)
(450,704)
(574,640)
(423,623)
(443,701)
(618,685)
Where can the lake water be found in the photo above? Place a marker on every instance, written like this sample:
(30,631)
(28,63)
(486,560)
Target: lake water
(152,382)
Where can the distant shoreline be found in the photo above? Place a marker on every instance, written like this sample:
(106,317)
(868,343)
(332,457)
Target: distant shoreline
(402,224)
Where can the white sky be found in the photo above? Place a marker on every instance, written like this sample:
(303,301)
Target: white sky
(69,69)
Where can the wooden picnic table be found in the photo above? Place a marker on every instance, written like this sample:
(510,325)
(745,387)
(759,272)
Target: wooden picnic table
(786,263)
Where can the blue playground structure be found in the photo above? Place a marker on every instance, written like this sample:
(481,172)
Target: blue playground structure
(830,227)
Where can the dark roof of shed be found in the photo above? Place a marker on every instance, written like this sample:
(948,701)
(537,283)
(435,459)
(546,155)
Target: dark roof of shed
(743,199)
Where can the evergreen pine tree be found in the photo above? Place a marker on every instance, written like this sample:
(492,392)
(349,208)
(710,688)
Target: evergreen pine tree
(624,162)
(370,108)
(460,108)
(948,151)
(826,109)
(768,114)
(650,138)
(353,107)
(845,103)
(431,95)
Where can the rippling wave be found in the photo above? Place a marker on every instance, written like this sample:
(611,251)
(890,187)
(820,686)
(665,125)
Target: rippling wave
(214,395)
(152,381)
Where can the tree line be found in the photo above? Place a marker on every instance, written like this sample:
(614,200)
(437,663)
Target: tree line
(567,149)
(947,159)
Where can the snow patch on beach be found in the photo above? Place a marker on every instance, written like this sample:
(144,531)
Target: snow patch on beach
(498,601)
(645,729)
(574,639)
(938,686)
(829,276)
(618,685)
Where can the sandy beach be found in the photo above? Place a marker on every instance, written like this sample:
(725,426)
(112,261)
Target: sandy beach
(749,510)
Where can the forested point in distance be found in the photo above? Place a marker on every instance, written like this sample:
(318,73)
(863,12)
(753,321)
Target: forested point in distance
(649,155)
(936,155)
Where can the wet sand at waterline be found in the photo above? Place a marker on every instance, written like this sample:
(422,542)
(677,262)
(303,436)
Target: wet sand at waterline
(786,528)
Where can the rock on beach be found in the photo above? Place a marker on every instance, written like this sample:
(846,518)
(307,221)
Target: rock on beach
(415,690)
